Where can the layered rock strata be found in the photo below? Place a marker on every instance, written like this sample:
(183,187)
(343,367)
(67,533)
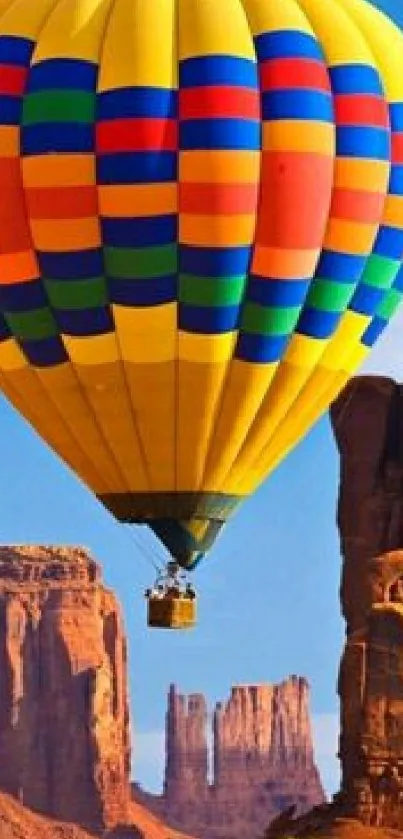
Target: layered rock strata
(64,722)
(368,425)
(261,760)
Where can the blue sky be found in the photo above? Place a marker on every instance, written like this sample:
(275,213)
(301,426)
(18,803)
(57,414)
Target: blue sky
(268,593)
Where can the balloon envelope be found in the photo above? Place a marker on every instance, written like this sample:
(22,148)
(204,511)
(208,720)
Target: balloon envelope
(201,230)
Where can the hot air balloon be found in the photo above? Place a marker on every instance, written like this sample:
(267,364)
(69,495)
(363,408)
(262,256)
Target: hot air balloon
(201,231)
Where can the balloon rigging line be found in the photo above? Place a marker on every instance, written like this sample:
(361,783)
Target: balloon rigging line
(149,554)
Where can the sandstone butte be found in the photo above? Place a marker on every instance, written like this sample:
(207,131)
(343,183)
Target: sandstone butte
(367,421)
(368,426)
(262,760)
(64,721)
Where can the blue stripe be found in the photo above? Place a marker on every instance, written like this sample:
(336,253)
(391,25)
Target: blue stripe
(137,167)
(366,299)
(21,297)
(81,322)
(268,292)
(398,283)
(396,116)
(396,180)
(318,324)
(143,292)
(5,331)
(10,110)
(342,267)
(287,44)
(261,348)
(208,320)
(15,50)
(374,331)
(62,74)
(213,262)
(137,102)
(363,141)
(45,352)
(355,78)
(139,232)
(218,70)
(71,265)
(389,242)
(220,133)
(297,104)
(57,137)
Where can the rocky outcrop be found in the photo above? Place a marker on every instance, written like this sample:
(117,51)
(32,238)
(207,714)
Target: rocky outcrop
(368,425)
(186,752)
(64,725)
(262,761)
(18,822)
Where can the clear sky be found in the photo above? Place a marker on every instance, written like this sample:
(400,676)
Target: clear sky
(268,592)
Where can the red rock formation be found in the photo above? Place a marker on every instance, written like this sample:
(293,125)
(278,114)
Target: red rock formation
(186,753)
(64,730)
(262,761)
(368,424)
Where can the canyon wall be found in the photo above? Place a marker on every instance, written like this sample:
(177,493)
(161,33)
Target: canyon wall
(262,760)
(64,721)
(368,425)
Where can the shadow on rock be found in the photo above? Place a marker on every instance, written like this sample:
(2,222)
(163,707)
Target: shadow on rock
(124,832)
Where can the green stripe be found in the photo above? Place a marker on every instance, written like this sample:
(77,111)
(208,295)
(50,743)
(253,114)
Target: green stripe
(141,263)
(59,106)
(211,291)
(77,294)
(380,271)
(39,323)
(269,321)
(329,296)
(389,304)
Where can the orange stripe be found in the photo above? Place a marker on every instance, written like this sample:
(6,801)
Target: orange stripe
(353,173)
(216,199)
(9,141)
(64,202)
(284,264)
(350,236)
(18,267)
(357,204)
(219,166)
(66,234)
(59,170)
(138,200)
(393,212)
(216,231)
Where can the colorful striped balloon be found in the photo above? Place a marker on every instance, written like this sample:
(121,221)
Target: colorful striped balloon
(201,233)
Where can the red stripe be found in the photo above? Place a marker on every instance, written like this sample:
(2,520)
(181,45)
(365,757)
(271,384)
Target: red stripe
(397,148)
(62,202)
(218,199)
(294,199)
(281,73)
(357,205)
(12,79)
(137,135)
(361,110)
(219,101)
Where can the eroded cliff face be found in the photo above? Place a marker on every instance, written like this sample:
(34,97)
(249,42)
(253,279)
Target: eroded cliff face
(262,760)
(368,425)
(64,722)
